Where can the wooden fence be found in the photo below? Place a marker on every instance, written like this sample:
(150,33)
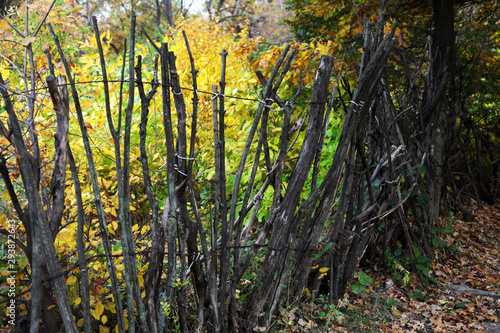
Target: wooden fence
(363,202)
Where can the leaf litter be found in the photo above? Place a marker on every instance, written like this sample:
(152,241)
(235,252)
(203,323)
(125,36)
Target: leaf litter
(465,297)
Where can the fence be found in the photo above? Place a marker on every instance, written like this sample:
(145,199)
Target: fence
(218,241)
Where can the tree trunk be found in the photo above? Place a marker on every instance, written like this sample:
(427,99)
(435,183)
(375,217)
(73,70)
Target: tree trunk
(169,12)
(442,54)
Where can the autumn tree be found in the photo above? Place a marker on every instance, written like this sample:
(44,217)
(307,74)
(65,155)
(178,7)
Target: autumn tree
(451,25)
(154,15)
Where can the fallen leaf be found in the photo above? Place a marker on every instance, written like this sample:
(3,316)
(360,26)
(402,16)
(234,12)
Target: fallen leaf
(27,40)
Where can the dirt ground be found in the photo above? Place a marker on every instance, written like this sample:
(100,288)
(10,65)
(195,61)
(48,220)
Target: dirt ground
(463,297)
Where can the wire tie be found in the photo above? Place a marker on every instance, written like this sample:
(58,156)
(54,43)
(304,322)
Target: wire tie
(163,164)
(184,158)
(179,171)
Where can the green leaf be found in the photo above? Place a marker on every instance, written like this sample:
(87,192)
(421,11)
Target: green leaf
(381,226)
(364,279)
(357,288)
(326,248)
(421,169)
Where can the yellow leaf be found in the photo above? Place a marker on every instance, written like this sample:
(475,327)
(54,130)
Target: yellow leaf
(71,280)
(104,319)
(314,267)
(51,307)
(88,103)
(99,309)
(3,219)
(4,25)
(46,135)
(78,301)
(14,81)
(323,269)
(103,329)
(396,313)
(6,195)
(80,322)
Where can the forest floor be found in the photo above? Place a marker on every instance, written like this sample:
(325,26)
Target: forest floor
(464,297)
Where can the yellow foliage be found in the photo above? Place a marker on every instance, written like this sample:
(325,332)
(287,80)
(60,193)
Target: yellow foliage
(66,240)
(207,40)
(97,310)
(71,280)
(3,221)
(306,58)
